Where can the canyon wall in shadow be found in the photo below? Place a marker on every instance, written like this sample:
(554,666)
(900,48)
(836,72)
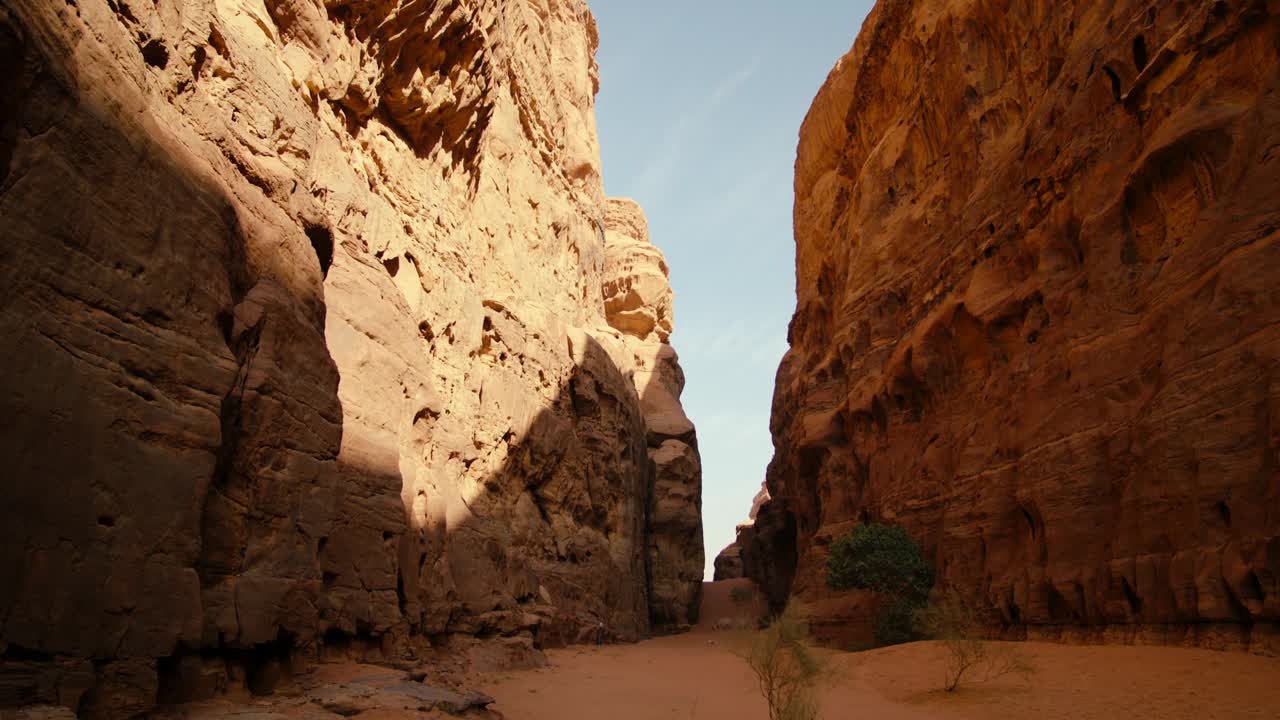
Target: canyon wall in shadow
(317,340)
(1036,323)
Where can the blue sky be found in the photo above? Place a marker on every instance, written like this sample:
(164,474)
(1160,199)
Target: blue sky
(698,113)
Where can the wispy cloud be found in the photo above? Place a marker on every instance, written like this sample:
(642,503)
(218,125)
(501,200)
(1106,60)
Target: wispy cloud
(657,173)
(739,198)
(746,342)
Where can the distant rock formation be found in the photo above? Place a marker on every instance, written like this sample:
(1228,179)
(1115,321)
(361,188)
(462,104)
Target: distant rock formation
(729,564)
(1036,324)
(638,302)
(308,347)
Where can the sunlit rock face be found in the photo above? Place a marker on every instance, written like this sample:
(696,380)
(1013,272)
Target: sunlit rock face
(306,345)
(638,302)
(1036,324)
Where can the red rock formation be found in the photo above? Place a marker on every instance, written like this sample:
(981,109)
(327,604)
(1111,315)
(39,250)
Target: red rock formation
(306,345)
(1037,261)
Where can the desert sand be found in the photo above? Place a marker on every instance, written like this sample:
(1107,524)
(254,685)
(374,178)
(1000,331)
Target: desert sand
(697,676)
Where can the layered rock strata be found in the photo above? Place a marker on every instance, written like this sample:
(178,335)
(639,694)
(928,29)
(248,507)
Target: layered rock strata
(1036,324)
(307,348)
(638,303)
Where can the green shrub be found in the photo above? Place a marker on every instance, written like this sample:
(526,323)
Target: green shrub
(740,595)
(882,559)
(885,560)
(896,622)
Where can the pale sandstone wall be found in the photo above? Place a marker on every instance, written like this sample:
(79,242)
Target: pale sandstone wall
(638,302)
(1036,321)
(305,342)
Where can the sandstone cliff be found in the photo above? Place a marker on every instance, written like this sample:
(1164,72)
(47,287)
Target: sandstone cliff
(638,302)
(307,347)
(1037,318)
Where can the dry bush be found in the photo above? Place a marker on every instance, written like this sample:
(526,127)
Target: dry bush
(950,620)
(788,669)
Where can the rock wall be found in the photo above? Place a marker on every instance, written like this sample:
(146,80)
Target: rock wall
(1037,318)
(307,349)
(638,303)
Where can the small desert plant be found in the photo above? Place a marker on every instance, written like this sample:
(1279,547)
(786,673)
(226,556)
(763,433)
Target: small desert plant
(741,595)
(787,668)
(950,620)
(886,560)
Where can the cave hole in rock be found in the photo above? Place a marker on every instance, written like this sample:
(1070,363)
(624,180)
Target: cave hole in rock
(1222,513)
(12,48)
(879,414)
(1140,53)
(1030,527)
(200,57)
(1115,81)
(266,665)
(1239,610)
(155,54)
(121,8)
(106,521)
(1060,609)
(226,325)
(1253,587)
(322,242)
(218,42)
(1131,597)
(335,639)
(1037,549)
(171,688)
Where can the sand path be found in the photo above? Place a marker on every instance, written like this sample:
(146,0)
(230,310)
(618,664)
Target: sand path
(696,676)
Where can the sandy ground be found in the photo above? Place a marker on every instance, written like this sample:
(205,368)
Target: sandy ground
(698,676)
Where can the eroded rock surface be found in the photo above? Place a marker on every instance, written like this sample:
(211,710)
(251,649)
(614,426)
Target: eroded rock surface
(638,302)
(1037,264)
(307,347)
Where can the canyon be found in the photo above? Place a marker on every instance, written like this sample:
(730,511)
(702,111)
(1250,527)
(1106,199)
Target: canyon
(1036,321)
(336,385)
(323,341)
